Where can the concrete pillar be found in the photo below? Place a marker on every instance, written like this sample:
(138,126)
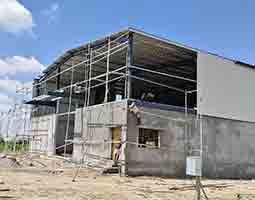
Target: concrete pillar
(53,131)
(51,136)
(123,148)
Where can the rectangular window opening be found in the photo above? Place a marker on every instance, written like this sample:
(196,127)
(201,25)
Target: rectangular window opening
(148,138)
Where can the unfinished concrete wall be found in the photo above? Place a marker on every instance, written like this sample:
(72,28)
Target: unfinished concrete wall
(61,128)
(94,125)
(49,133)
(43,131)
(221,97)
(228,146)
(170,158)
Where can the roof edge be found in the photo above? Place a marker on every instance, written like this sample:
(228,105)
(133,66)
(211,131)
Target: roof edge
(153,36)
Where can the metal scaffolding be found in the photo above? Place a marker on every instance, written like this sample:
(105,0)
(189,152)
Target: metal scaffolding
(93,75)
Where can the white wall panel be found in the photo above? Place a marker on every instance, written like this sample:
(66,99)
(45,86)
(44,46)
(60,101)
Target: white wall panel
(225,89)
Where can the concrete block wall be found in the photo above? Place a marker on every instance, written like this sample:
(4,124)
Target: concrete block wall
(228,146)
(170,158)
(89,125)
(43,131)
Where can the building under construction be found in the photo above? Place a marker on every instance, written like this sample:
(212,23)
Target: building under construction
(157,100)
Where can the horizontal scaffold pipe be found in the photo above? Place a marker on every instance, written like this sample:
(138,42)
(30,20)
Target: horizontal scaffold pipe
(101,75)
(103,83)
(93,78)
(65,113)
(86,61)
(156,83)
(163,74)
(112,41)
(95,142)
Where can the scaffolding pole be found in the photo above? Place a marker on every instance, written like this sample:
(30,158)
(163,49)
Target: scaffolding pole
(89,81)
(118,47)
(69,110)
(94,56)
(107,71)
(86,77)
(129,57)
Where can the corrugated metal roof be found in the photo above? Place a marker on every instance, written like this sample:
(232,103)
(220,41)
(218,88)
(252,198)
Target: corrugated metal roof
(72,52)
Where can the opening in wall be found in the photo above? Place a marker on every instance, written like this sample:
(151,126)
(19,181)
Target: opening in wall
(148,138)
(161,72)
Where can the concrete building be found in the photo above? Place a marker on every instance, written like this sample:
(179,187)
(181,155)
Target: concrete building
(163,101)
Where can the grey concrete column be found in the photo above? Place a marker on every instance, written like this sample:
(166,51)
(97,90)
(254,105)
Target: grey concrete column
(53,131)
(51,149)
(123,148)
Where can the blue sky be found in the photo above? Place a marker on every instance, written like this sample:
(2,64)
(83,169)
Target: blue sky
(36,32)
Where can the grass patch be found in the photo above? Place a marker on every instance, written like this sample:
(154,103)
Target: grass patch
(21,146)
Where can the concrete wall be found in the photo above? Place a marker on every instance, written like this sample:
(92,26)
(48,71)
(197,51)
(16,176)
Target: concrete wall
(43,131)
(98,136)
(225,89)
(228,146)
(49,133)
(169,159)
(61,127)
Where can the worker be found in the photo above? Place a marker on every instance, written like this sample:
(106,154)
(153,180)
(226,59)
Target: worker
(117,151)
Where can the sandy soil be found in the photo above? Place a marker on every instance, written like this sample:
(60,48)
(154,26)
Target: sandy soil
(29,176)
(40,185)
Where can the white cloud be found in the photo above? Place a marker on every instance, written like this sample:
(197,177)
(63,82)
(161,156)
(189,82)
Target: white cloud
(4,99)
(51,12)
(8,95)
(9,86)
(19,64)
(15,65)
(6,102)
(14,17)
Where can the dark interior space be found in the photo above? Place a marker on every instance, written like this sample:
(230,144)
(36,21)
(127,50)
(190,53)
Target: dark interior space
(162,72)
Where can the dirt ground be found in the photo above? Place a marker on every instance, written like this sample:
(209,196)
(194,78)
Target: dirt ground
(40,185)
(27,176)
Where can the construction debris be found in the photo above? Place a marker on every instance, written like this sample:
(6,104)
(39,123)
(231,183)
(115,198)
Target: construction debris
(27,185)
(191,187)
(93,185)
(4,189)
(8,162)
(6,197)
(53,164)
